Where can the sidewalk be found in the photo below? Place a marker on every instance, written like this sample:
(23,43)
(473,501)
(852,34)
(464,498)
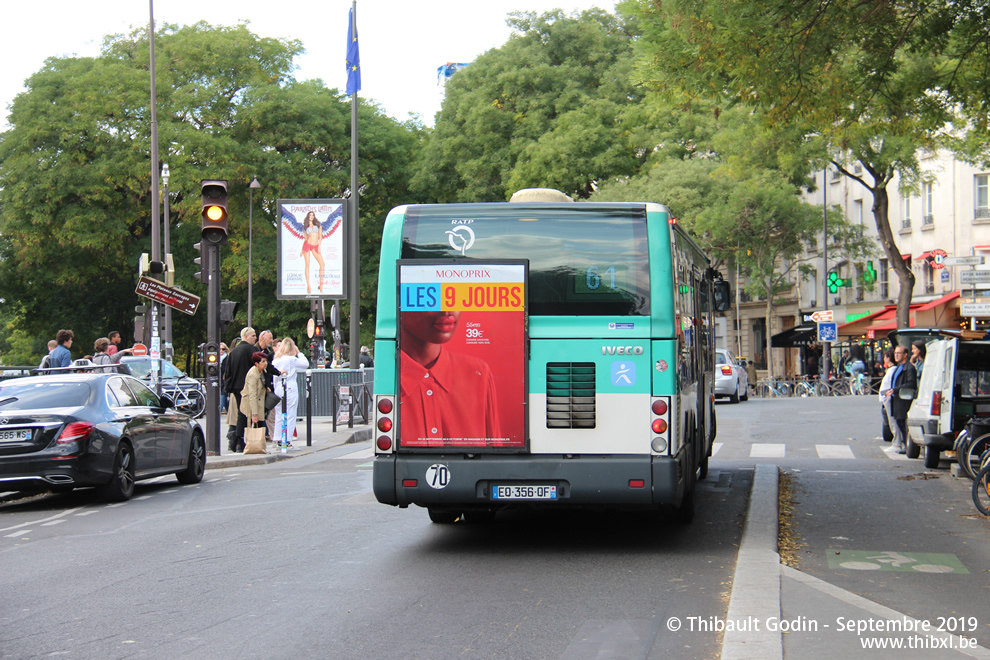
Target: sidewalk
(782,612)
(324,437)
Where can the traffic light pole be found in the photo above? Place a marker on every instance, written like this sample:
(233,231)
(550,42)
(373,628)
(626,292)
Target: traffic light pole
(211,254)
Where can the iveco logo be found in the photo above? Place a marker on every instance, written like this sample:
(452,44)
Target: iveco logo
(622,350)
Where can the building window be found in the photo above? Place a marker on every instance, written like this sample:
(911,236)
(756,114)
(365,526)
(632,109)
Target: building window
(883,279)
(928,276)
(906,208)
(927,205)
(982,196)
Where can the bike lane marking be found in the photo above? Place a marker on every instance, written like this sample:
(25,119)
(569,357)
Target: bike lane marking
(43,520)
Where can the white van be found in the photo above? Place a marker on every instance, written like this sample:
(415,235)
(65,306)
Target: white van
(954,387)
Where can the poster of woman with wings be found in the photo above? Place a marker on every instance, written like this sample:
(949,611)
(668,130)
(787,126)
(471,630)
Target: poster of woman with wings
(311,249)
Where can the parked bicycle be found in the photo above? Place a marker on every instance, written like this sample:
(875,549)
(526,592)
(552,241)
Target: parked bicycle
(773,388)
(190,400)
(981,485)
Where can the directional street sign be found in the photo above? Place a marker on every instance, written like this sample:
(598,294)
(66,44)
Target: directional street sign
(167,295)
(963,261)
(828,331)
(974,309)
(974,276)
(819,317)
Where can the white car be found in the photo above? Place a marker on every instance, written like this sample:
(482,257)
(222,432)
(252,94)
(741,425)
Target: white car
(731,380)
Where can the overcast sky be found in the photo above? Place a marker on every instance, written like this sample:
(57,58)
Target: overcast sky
(402,41)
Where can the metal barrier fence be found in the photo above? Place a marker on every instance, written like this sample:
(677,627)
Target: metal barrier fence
(325,383)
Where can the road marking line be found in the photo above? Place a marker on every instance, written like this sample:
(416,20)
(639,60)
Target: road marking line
(767,450)
(22,532)
(143,497)
(835,451)
(88,513)
(36,522)
(716,446)
(54,522)
(358,455)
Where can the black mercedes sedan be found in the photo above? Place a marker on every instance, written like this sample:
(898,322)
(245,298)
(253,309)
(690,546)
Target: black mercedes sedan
(59,432)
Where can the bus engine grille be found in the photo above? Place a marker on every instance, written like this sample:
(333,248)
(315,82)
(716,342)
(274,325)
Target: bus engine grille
(570,395)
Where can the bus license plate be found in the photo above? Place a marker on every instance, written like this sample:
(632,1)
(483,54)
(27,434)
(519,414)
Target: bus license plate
(17,435)
(524,492)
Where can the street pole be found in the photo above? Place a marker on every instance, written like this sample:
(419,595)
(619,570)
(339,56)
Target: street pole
(252,187)
(156,248)
(826,346)
(168,250)
(355,271)
(211,255)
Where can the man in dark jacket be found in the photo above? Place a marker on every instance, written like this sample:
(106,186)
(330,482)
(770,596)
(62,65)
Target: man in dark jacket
(238,363)
(905,380)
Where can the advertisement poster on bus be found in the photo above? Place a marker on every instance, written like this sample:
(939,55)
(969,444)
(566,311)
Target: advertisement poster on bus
(311,249)
(462,353)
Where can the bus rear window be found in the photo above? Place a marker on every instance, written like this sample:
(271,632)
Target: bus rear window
(584,259)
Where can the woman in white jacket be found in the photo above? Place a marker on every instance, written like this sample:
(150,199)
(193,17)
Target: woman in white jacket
(288,360)
(885,385)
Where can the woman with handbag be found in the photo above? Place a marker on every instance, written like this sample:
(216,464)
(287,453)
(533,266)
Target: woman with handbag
(253,404)
(289,361)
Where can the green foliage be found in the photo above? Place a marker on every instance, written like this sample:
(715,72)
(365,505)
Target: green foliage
(553,107)
(75,171)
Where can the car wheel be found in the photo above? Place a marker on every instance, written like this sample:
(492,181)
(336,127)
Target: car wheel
(931,457)
(913,450)
(193,473)
(121,484)
(734,398)
(745,394)
(443,516)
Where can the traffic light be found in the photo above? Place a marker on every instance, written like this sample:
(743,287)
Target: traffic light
(203,274)
(215,221)
(212,351)
(139,322)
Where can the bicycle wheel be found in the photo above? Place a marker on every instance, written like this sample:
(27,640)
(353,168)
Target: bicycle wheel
(981,490)
(970,455)
(196,405)
(840,388)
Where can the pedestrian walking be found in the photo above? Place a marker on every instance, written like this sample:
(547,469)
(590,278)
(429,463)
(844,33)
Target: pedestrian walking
(239,363)
(46,361)
(886,432)
(101,357)
(289,360)
(903,390)
(61,357)
(918,352)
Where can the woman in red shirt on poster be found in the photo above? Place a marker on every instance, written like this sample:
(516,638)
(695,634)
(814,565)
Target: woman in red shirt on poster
(447,398)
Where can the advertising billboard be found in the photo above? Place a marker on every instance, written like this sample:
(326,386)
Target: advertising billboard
(462,353)
(311,249)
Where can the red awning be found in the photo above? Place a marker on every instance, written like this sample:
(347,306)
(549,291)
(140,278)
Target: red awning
(923,255)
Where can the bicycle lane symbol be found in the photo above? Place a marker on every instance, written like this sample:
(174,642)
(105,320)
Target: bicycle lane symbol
(920,562)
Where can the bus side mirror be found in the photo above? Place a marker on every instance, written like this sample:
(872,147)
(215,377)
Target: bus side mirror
(723,296)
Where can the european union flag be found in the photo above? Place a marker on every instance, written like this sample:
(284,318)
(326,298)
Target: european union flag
(353,57)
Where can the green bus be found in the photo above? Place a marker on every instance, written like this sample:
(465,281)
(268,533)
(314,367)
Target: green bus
(552,354)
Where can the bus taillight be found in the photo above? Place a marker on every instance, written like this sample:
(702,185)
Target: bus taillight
(936,404)
(385,423)
(660,424)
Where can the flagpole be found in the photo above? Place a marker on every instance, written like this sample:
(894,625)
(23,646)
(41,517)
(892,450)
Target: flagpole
(355,271)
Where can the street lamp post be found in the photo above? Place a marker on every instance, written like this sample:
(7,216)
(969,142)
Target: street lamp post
(826,346)
(252,187)
(168,251)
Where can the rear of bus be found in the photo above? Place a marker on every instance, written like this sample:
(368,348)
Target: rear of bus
(594,379)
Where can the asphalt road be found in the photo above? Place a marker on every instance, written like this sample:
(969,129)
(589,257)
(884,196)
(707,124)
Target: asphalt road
(297,560)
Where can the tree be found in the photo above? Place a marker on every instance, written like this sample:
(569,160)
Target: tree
(858,76)
(552,107)
(75,193)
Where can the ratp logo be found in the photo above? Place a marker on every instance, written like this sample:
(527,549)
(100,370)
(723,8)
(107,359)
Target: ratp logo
(463,235)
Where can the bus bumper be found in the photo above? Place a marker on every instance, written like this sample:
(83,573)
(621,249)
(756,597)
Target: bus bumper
(580,480)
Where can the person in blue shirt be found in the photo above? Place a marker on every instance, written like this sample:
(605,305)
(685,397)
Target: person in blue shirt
(61,357)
